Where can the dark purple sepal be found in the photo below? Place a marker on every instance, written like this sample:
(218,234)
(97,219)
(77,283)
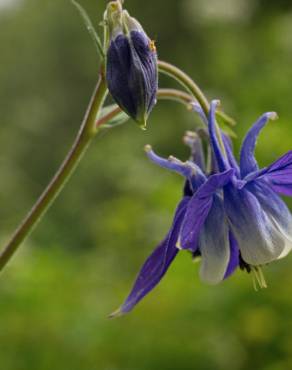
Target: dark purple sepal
(132,74)
(234,256)
(198,209)
(157,263)
(279,174)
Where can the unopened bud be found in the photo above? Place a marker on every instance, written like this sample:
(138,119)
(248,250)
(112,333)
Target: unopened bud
(131,69)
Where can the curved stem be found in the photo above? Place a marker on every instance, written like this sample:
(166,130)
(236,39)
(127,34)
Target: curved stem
(181,77)
(175,95)
(193,88)
(185,81)
(162,94)
(85,135)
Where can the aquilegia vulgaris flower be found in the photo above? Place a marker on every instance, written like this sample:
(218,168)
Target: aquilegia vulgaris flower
(231,216)
(131,68)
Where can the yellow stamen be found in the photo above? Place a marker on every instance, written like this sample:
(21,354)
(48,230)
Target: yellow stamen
(258,278)
(152,46)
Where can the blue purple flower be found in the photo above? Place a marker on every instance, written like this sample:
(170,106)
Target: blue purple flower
(212,269)
(258,218)
(231,216)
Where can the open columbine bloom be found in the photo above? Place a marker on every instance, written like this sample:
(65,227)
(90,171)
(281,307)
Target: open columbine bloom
(259,219)
(217,246)
(233,217)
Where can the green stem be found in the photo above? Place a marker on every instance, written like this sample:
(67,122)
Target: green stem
(162,94)
(185,81)
(85,135)
(175,95)
(193,88)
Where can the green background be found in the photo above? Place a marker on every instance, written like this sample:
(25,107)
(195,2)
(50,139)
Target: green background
(80,262)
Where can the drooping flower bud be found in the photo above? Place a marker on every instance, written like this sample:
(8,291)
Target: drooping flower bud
(131,69)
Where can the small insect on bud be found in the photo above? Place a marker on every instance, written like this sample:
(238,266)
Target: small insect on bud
(131,68)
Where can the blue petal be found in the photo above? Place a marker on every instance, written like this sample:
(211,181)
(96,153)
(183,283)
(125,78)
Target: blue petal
(279,174)
(276,210)
(195,143)
(198,210)
(259,240)
(248,162)
(214,244)
(157,263)
(188,169)
(230,156)
(226,140)
(198,109)
(234,256)
(221,161)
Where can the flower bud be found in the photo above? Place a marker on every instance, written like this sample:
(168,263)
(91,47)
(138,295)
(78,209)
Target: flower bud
(131,69)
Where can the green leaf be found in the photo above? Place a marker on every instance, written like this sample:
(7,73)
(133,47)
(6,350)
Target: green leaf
(117,120)
(90,28)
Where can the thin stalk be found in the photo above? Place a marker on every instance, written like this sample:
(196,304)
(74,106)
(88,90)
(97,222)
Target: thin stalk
(185,81)
(177,74)
(84,137)
(175,95)
(162,94)
(181,77)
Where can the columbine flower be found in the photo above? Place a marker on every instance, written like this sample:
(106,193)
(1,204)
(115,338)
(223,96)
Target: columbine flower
(259,219)
(131,69)
(231,218)
(216,245)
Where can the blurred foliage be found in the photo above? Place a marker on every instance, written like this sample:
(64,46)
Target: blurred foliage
(80,262)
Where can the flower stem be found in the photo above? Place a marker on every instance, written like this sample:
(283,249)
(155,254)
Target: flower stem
(186,81)
(85,135)
(193,88)
(180,76)
(162,94)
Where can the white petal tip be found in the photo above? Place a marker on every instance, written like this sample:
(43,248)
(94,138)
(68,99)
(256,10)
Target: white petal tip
(216,102)
(147,148)
(115,314)
(273,116)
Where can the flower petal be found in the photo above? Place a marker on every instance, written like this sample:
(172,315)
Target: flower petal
(157,263)
(214,244)
(194,142)
(279,174)
(221,160)
(198,210)
(187,169)
(230,156)
(234,256)
(259,240)
(226,140)
(276,209)
(248,162)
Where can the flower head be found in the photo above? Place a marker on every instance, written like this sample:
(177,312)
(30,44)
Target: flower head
(259,219)
(230,217)
(217,247)
(131,68)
